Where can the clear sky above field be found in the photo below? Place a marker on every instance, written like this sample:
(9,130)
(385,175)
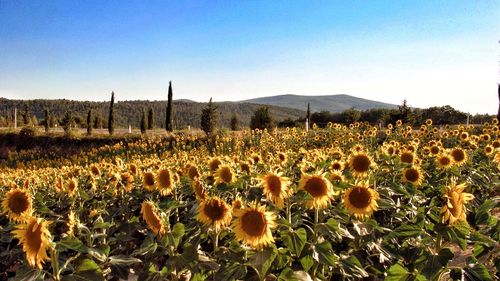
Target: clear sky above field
(429,52)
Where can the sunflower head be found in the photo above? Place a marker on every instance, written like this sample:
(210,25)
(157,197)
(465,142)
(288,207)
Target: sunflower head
(214,213)
(253,226)
(17,204)
(361,200)
(153,220)
(360,164)
(276,188)
(148,181)
(71,187)
(454,208)
(444,161)
(214,164)
(199,190)
(165,181)
(225,175)
(413,175)
(35,238)
(319,188)
(459,156)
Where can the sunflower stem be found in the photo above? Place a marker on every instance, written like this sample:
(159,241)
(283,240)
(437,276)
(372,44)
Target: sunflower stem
(438,242)
(316,216)
(215,240)
(55,263)
(289,212)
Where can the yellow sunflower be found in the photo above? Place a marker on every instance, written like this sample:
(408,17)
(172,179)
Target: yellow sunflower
(454,209)
(199,190)
(276,188)
(253,225)
(165,181)
(360,164)
(337,165)
(153,220)
(413,175)
(36,239)
(319,188)
(361,200)
(71,187)
(214,213)
(16,204)
(148,181)
(444,161)
(459,156)
(214,164)
(224,175)
(336,176)
(406,156)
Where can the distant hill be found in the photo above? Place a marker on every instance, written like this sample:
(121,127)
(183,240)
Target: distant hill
(186,112)
(332,103)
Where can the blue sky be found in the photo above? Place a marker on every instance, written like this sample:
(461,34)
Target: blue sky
(429,52)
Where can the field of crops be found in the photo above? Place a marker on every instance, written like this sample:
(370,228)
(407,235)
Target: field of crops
(342,202)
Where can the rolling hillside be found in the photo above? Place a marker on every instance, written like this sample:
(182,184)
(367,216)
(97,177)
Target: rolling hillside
(129,112)
(332,103)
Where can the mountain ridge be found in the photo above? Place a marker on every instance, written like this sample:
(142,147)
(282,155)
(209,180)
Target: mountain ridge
(332,103)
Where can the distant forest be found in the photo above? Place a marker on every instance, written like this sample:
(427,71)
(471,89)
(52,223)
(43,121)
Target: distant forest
(186,113)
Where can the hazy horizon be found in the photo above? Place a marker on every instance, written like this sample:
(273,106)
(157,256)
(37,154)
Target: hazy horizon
(427,52)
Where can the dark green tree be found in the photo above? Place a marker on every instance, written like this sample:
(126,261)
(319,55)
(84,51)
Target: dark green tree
(235,123)
(498,114)
(46,122)
(209,118)
(68,122)
(89,122)
(26,114)
(170,109)
(261,119)
(151,119)
(143,123)
(308,116)
(111,119)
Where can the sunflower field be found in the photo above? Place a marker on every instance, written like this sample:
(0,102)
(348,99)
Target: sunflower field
(336,203)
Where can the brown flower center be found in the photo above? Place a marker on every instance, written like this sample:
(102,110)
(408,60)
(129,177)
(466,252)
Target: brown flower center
(361,163)
(226,175)
(164,179)
(412,175)
(316,187)
(214,165)
(407,157)
(444,161)
(18,202)
(254,223)
(458,155)
(435,149)
(149,179)
(360,197)
(336,166)
(274,184)
(215,209)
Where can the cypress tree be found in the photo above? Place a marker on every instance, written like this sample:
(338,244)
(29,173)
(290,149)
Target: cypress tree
(209,118)
(170,109)
(308,113)
(498,114)
(89,122)
(143,123)
(261,119)
(151,119)
(46,123)
(111,119)
(234,123)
